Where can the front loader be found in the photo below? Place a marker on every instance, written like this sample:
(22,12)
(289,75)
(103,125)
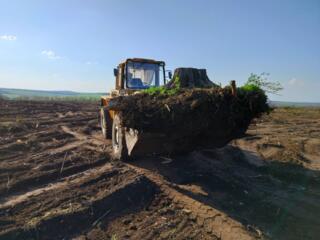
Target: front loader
(132,76)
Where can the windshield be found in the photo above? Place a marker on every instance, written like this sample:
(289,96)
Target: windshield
(143,75)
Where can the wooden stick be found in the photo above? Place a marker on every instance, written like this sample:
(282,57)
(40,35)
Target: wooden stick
(233,87)
(65,156)
(95,223)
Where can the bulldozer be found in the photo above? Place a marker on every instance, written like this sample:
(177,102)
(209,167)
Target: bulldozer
(132,76)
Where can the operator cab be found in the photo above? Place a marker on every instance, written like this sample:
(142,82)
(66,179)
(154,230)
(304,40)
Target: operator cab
(140,74)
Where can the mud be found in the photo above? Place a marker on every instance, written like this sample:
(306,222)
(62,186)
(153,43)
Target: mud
(57,180)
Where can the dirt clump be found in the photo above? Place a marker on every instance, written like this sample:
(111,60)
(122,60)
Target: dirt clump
(191,110)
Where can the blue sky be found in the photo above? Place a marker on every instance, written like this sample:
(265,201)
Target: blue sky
(75,44)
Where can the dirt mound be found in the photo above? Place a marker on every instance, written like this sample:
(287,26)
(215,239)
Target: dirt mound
(193,117)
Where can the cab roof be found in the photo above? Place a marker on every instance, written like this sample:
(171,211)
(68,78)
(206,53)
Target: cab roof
(142,60)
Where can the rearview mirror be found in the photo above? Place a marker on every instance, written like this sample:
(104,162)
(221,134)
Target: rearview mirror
(115,72)
(170,74)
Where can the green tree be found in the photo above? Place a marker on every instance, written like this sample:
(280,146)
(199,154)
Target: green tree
(262,82)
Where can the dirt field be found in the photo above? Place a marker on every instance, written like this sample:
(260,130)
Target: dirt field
(57,180)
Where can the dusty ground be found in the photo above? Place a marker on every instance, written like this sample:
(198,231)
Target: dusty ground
(57,181)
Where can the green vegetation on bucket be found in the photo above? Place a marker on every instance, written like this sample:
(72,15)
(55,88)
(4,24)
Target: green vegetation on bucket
(164,90)
(262,81)
(250,87)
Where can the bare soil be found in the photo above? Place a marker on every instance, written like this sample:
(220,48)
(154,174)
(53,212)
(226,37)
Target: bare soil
(57,180)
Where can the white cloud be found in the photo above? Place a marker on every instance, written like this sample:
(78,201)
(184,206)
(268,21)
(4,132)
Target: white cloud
(295,82)
(8,37)
(91,63)
(50,54)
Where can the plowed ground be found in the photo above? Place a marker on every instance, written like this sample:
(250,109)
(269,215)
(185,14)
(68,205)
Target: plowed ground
(57,180)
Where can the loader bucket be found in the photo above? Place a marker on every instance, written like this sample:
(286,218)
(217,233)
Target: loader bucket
(142,143)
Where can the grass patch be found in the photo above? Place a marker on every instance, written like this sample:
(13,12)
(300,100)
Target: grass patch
(250,87)
(58,98)
(40,95)
(163,90)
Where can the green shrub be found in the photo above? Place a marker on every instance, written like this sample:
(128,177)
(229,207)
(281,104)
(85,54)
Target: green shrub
(263,83)
(250,87)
